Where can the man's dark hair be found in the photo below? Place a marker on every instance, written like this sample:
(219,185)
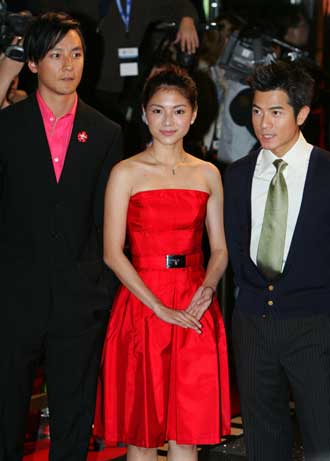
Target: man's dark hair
(46,31)
(290,77)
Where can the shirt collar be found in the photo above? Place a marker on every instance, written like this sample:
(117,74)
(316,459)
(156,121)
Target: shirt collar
(296,157)
(47,113)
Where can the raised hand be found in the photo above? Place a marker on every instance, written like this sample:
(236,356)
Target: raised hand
(187,35)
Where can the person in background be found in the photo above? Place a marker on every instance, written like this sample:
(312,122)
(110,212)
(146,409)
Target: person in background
(224,139)
(122,28)
(293,26)
(56,154)
(277,221)
(164,372)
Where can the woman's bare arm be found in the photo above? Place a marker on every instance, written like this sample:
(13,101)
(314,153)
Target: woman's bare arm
(117,198)
(216,234)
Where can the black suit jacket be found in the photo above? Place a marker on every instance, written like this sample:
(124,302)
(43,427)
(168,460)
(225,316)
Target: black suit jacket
(51,265)
(304,286)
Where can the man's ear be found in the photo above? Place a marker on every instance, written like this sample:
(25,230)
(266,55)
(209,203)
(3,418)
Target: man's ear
(302,115)
(33,66)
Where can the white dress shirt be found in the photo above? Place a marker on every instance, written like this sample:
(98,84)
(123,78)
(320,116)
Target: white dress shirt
(295,173)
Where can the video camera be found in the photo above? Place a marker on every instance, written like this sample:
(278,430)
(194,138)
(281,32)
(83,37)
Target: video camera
(250,47)
(13,25)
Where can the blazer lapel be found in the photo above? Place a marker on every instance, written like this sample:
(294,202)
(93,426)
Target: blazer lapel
(77,145)
(247,196)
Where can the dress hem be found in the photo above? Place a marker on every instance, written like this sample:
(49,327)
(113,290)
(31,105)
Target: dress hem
(141,443)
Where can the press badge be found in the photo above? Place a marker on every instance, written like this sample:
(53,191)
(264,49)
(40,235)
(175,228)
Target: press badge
(128,64)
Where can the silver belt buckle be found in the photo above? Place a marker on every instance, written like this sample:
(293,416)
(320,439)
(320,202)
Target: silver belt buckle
(175,261)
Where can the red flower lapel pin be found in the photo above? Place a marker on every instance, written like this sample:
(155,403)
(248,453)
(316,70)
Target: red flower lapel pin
(82,136)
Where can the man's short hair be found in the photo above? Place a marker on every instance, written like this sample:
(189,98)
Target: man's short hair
(290,77)
(46,31)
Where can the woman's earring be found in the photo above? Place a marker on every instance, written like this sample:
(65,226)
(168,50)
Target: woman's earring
(144,118)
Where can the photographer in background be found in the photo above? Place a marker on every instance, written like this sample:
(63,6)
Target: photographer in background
(224,139)
(122,31)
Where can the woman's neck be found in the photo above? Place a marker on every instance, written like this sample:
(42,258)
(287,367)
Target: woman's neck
(167,155)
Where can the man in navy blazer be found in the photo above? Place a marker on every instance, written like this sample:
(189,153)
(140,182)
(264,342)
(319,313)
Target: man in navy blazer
(56,154)
(281,321)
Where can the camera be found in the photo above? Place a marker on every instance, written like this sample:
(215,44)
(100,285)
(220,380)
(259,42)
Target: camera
(251,47)
(13,25)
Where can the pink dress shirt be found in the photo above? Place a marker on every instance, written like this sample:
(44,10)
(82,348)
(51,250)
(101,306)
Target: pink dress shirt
(58,132)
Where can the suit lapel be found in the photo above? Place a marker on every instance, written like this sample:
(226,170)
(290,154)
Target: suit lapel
(76,147)
(248,189)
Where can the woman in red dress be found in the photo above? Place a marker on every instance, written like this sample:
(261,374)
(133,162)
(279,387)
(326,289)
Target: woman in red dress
(164,372)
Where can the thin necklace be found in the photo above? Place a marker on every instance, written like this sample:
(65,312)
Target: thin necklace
(174,167)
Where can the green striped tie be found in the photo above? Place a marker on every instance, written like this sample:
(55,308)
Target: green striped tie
(272,238)
(206,5)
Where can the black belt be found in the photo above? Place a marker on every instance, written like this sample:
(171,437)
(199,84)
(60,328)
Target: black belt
(168,261)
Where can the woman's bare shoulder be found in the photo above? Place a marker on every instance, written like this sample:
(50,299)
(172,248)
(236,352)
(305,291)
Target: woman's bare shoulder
(135,161)
(126,173)
(130,164)
(206,168)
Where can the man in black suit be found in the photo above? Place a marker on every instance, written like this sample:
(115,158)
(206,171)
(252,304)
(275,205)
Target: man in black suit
(277,217)
(55,157)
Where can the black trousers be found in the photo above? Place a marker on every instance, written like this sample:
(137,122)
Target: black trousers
(71,366)
(272,355)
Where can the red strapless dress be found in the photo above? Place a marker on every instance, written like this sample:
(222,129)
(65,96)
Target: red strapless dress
(159,381)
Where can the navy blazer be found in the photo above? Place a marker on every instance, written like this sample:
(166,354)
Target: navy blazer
(51,262)
(304,286)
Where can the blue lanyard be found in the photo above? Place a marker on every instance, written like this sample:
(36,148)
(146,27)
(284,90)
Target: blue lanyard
(125,16)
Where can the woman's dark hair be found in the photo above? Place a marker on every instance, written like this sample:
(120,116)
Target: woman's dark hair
(290,77)
(46,31)
(170,76)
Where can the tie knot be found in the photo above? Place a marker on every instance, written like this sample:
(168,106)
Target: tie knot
(279,164)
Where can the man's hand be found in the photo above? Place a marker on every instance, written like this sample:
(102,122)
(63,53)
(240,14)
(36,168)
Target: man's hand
(9,68)
(187,35)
